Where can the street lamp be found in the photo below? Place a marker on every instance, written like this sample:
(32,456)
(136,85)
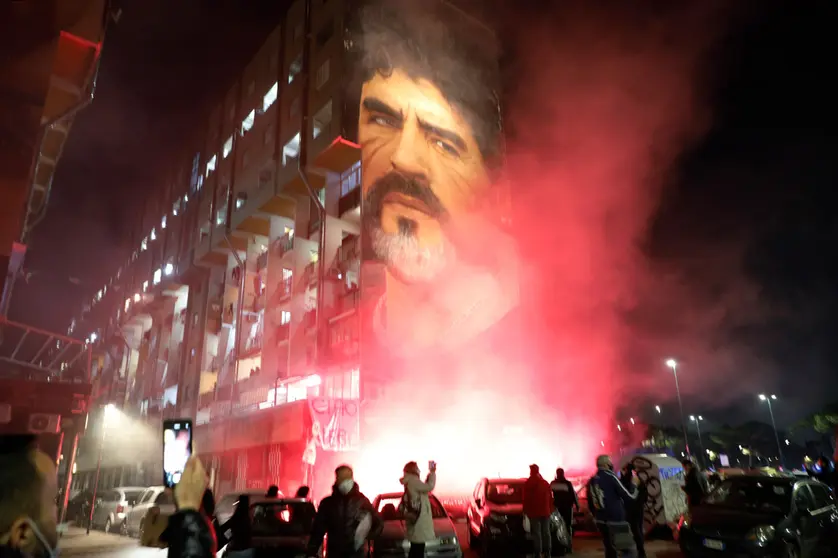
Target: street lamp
(108,416)
(658,408)
(697,420)
(768,400)
(674,366)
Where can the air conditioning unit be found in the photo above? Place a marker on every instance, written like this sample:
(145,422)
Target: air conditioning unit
(40,423)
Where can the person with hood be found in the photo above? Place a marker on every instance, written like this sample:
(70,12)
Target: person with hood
(538,505)
(347,517)
(564,499)
(607,499)
(696,485)
(416,507)
(636,509)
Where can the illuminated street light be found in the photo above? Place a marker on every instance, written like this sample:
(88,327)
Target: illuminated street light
(674,366)
(768,400)
(108,415)
(658,408)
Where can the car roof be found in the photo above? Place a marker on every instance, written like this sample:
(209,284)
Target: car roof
(765,479)
(507,481)
(266,500)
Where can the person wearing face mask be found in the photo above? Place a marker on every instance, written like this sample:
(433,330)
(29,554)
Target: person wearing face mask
(607,499)
(347,517)
(28,492)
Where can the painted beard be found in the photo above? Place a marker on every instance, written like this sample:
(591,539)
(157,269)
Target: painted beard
(402,251)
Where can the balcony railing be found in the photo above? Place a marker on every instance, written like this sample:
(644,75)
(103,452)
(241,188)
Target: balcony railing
(284,243)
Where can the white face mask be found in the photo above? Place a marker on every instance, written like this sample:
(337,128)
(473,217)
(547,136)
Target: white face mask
(345,486)
(51,552)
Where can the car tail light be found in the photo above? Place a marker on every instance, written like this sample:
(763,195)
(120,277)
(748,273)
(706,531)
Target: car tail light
(120,508)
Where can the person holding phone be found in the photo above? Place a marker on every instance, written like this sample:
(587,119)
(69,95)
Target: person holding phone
(416,507)
(189,532)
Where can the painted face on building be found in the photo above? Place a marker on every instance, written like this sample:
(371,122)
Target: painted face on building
(421,170)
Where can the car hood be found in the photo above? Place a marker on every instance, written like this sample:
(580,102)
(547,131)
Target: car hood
(395,530)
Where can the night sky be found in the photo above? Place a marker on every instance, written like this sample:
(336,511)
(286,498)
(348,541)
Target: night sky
(760,184)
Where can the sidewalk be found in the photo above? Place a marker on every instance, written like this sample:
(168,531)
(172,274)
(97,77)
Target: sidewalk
(77,537)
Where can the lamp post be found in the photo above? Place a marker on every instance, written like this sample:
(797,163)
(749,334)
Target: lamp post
(697,420)
(674,366)
(107,414)
(768,399)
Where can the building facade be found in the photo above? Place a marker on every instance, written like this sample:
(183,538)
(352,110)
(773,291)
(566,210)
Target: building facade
(240,306)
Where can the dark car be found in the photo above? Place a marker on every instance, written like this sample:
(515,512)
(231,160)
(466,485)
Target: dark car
(762,516)
(280,527)
(496,520)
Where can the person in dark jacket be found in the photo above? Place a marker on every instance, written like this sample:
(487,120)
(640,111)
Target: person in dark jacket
(635,509)
(340,515)
(607,499)
(564,500)
(538,505)
(28,489)
(273,491)
(239,541)
(695,484)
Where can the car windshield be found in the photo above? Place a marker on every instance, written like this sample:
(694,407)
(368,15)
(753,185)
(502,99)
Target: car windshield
(752,495)
(282,519)
(388,507)
(505,492)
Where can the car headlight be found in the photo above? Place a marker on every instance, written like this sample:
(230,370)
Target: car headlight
(761,535)
(448,541)
(497,517)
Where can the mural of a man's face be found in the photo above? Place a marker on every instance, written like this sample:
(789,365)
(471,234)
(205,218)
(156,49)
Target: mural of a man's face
(421,167)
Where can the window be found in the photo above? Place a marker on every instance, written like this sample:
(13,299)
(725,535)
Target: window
(295,68)
(211,165)
(247,123)
(163,222)
(158,275)
(322,119)
(322,75)
(350,179)
(153,235)
(241,199)
(285,317)
(143,246)
(200,182)
(287,273)
(321,195)
(823,497)
(291,150)
(325,33)
(145,286)
(228,147)
(270,97)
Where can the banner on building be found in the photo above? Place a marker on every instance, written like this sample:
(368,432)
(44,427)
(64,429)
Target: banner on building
(436,270)
(335,423)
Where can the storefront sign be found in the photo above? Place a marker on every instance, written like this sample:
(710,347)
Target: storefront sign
(338,422)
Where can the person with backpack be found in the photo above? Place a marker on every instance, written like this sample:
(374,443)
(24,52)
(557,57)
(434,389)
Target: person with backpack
(415,507)
(607,500)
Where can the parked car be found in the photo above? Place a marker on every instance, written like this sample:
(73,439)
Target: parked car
(78,507)
(392,542)
(113,505)
(154,497)
(280,527)
(751,515)
(225,506)
(496,520)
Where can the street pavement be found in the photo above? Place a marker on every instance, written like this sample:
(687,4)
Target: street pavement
(75,542)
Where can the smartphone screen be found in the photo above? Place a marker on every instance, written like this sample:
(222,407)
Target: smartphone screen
(177,449)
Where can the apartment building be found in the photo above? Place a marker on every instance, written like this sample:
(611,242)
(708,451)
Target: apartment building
(239,307)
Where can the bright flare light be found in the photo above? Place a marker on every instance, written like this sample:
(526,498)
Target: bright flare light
(671,363)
